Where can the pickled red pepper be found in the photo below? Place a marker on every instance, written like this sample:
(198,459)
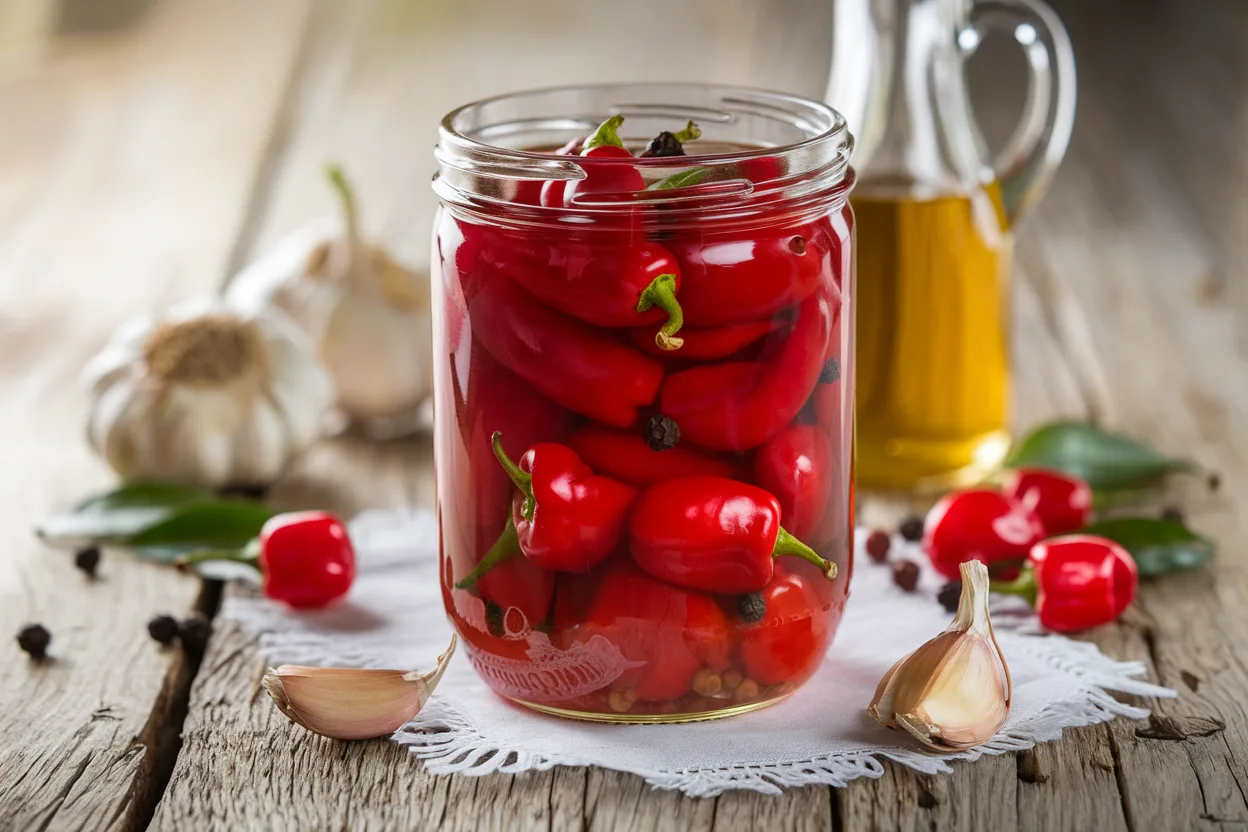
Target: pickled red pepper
(712,534)
(574,364)
(796,467)
(739,405)
(604,143)
(626,456)
(511,581)
(608,287)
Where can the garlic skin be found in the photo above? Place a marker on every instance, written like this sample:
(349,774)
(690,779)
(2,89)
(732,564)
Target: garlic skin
(368,315)
(205,395)
(349,704)
(954,692)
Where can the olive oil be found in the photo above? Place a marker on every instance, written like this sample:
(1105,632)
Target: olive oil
(933,346)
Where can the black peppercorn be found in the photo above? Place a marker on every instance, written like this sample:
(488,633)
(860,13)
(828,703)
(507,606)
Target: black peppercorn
(906,574)
(1172,514)
(87,560)
(878,544)
(831,372)
(34,639)
(494,618)
(662,433)
(163,628)
(949,596)
(194,632)
(751,607)
(664,144)
(911,528)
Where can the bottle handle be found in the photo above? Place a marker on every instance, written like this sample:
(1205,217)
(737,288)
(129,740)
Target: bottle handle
(1026,164)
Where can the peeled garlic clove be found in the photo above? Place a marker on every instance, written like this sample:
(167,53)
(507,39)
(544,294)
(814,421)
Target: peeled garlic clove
(954,692)
(351,704)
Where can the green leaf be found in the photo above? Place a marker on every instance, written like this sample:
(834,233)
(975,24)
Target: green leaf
(213,524)
(1107,461)
(1158,546)
(118,514)
(683,179)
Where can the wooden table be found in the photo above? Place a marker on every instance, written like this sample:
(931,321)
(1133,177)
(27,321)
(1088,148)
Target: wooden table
(143,167)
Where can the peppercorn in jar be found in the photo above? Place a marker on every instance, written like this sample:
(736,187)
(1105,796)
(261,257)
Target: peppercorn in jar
(643,395)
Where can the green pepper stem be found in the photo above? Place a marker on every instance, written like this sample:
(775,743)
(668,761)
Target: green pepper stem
(506,547)
(787,544)
(607,133)
(346,198)
(248,555)
(690,133)
(662,293)
(1024,586)
(522,480)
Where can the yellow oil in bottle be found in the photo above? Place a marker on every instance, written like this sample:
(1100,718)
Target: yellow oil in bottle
(933,347)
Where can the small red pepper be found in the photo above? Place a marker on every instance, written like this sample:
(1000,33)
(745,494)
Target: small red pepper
(1077,582)
(607,286)
(515,581)
(1061,501)
(713,534)
(604,143)
(797,466)
(729,280)
(738,405)
(567,519)
(979,524)
(793,637)
(305,558)
(578,366)
(529,191)
(673,631)
(709,343)
(626,456)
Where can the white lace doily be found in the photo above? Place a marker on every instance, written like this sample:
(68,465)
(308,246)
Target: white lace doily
(821,734)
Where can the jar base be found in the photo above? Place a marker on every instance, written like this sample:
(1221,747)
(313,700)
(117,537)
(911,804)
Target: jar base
(929,467)
(651,719)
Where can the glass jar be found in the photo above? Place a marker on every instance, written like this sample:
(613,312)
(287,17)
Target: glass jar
(644,396)
(935,226)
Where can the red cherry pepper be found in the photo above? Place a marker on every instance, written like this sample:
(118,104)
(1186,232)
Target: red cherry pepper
(797,466)
(1061,501)
(673,631)
(1078,581)
(709,343)
(604,143)
(979,524)
(574,364)
(713,534)
(305,558)
(626,456)
(793,637)
(735,279)
(515,581)
(566,518)
(607,286)
(738,405)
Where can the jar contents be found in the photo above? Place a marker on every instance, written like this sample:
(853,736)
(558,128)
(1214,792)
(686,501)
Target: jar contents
(933,356)
(644,443)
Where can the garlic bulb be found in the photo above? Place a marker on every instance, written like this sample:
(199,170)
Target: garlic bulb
(349,704)
(953,692)
(368,315)
(206,395)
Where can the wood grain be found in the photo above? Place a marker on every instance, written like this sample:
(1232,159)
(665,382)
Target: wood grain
(126,166)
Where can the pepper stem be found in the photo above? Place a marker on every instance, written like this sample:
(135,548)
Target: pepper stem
(249,555)
(787,544)
(662,293)
(607,133)
(1024,586)
(506,547)
(522,480)
(346,198)
(690,133)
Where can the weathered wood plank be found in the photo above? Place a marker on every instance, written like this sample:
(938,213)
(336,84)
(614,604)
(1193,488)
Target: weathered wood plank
(126,166)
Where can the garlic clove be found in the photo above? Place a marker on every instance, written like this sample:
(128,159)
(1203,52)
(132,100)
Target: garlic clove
(954,692)
(352,704)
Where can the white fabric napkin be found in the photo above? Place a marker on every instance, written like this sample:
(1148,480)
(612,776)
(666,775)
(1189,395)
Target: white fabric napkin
(821,734)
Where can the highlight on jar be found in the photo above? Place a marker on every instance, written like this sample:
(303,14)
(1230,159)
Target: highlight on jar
(643,328)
